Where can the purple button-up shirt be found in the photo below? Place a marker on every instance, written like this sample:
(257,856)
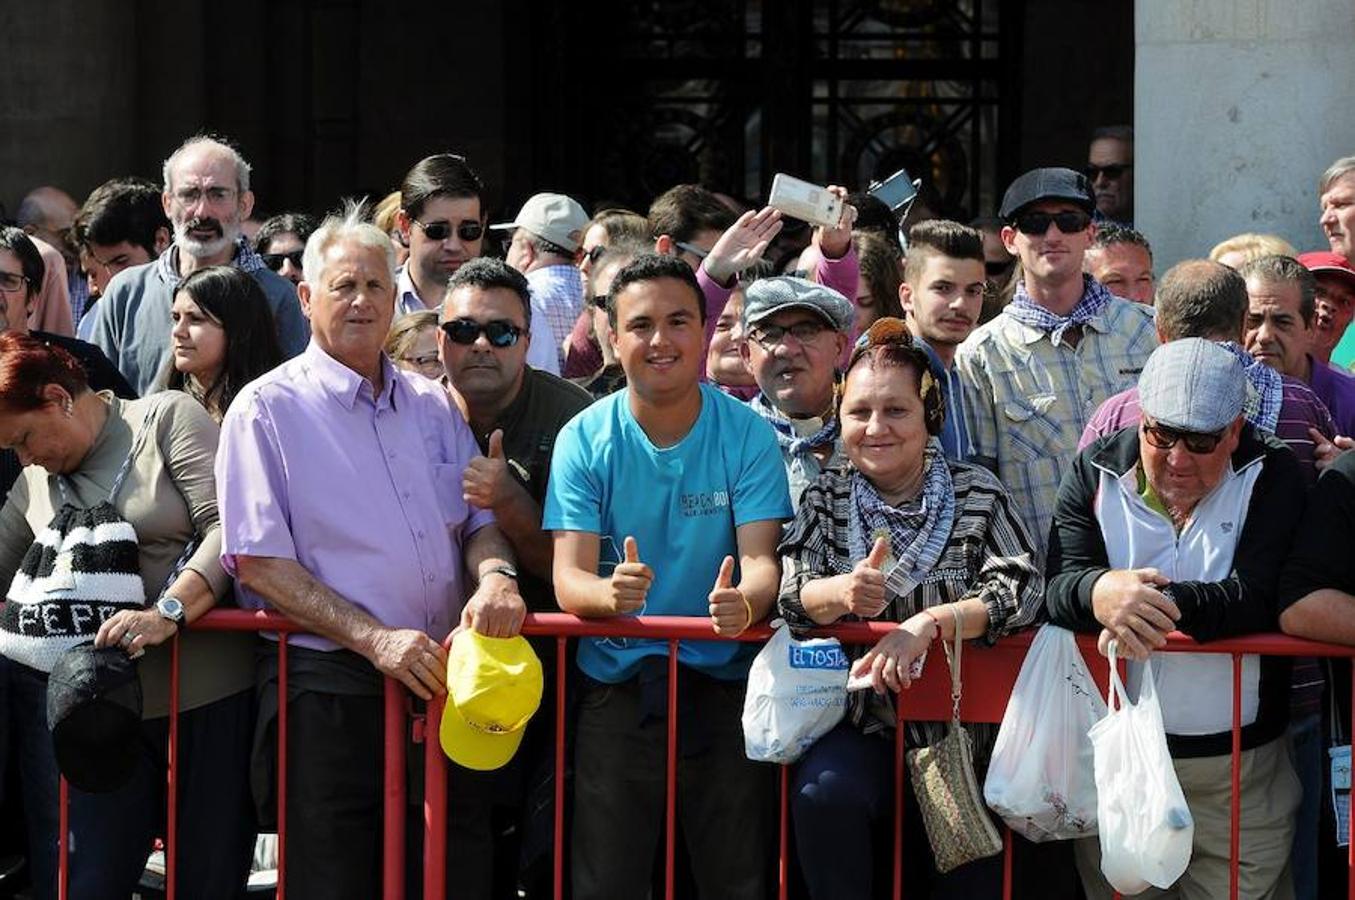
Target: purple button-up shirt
(363,491)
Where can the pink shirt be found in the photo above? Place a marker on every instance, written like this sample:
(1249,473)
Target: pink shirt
(52,308)
(363,491)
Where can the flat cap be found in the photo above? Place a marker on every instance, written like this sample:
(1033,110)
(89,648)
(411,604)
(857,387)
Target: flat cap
(1048,184)
(772,295)
(1193,385)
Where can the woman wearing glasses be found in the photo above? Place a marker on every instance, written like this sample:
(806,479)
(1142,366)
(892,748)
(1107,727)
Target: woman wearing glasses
(221,336)
(900,534)
(413,344)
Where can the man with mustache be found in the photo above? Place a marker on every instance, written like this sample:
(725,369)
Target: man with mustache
(515,413)
(944,281)
(794,333)
(1034,375)
(206,197)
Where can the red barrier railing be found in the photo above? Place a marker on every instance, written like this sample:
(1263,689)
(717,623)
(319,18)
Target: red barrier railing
(928,700)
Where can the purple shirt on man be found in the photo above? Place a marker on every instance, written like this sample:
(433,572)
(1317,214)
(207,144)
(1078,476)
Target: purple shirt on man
(363,491)
(1335,390)
(1300,409)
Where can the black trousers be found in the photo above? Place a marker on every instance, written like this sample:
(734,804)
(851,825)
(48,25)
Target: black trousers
(724,801)
(334,802)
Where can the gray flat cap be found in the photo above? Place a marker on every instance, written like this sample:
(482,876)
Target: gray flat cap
(1047,184)
(772,295)
(1193,385)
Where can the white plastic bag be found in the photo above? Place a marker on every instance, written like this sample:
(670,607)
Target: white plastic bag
(797,692)
(1041,779)
(1146,827)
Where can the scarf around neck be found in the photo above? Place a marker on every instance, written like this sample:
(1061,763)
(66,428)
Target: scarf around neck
(1095,298)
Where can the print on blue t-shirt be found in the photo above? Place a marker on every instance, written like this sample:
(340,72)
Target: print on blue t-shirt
(682,505)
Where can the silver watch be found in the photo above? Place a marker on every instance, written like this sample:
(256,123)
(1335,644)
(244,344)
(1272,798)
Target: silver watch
(171,608)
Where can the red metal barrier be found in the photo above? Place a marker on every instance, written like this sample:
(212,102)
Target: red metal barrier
(929,699)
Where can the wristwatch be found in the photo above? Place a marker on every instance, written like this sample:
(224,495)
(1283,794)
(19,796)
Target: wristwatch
(505,570)
(171,608)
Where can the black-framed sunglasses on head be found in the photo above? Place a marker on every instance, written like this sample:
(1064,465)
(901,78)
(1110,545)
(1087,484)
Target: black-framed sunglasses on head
(467,331)
(440,231)
(1037,223)
(1112,171)
(1164,437)
(274,261)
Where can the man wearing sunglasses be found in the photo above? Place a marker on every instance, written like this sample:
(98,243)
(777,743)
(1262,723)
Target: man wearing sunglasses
(1183,524)
(1110,168)
(1035,373)
(206,196)
(514,412)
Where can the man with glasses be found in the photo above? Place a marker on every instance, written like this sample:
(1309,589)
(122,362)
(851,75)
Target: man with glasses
(442,222)
(1035,373)
(206,197)
(1183,524)
(515,413)
(547,232)
(121,224)
(281,243)
(794,333)
(1110,168)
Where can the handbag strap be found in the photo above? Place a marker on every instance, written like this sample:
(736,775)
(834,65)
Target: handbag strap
(953,661)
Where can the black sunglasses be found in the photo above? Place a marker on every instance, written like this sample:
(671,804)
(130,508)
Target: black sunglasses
(1037,223)
(467,331)
(1164,438)
(440,231)
(274,261)
(1113,171)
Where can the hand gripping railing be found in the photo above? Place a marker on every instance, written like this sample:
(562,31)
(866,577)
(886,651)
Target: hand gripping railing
(995,668)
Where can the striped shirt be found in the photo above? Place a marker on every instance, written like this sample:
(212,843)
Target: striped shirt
(989,555)
(1028,399)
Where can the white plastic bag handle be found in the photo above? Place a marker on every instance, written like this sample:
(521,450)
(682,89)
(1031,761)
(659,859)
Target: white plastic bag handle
(1115,691)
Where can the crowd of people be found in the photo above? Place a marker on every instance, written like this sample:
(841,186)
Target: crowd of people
(381,428)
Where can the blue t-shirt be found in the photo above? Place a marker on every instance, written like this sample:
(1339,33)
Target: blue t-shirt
(680,503)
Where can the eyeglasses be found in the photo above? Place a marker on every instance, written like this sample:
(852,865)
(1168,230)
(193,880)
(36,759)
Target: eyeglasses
(596,253)
(190,196)
(467,331)
(1113,171)
(427,361)
(274,261)
(692,249)
(440,231)
(770,336)
(1037,223)
(11,282)
(1164,438)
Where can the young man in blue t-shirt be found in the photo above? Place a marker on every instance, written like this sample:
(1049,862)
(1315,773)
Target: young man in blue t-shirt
(666,498)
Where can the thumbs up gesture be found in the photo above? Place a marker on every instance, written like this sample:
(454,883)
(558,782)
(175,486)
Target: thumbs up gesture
(486,481)
(865,592)
(730,613)
(630,581)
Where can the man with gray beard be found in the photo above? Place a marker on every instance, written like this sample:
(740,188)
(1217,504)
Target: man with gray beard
(206,197)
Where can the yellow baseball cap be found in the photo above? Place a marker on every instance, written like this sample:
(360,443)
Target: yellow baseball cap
(494,687)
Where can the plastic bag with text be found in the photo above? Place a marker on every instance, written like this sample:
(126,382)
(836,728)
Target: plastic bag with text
(797,693)
(1146,828)
(1041,780)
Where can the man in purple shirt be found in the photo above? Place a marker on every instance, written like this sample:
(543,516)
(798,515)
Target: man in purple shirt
(1198,298)
(339,482)
(1281,295)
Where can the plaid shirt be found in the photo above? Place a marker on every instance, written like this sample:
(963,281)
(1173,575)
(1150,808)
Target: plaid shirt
(1029,399)
(988,555)
(557,294)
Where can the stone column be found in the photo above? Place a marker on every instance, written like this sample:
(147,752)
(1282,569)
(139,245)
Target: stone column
(1240,105)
